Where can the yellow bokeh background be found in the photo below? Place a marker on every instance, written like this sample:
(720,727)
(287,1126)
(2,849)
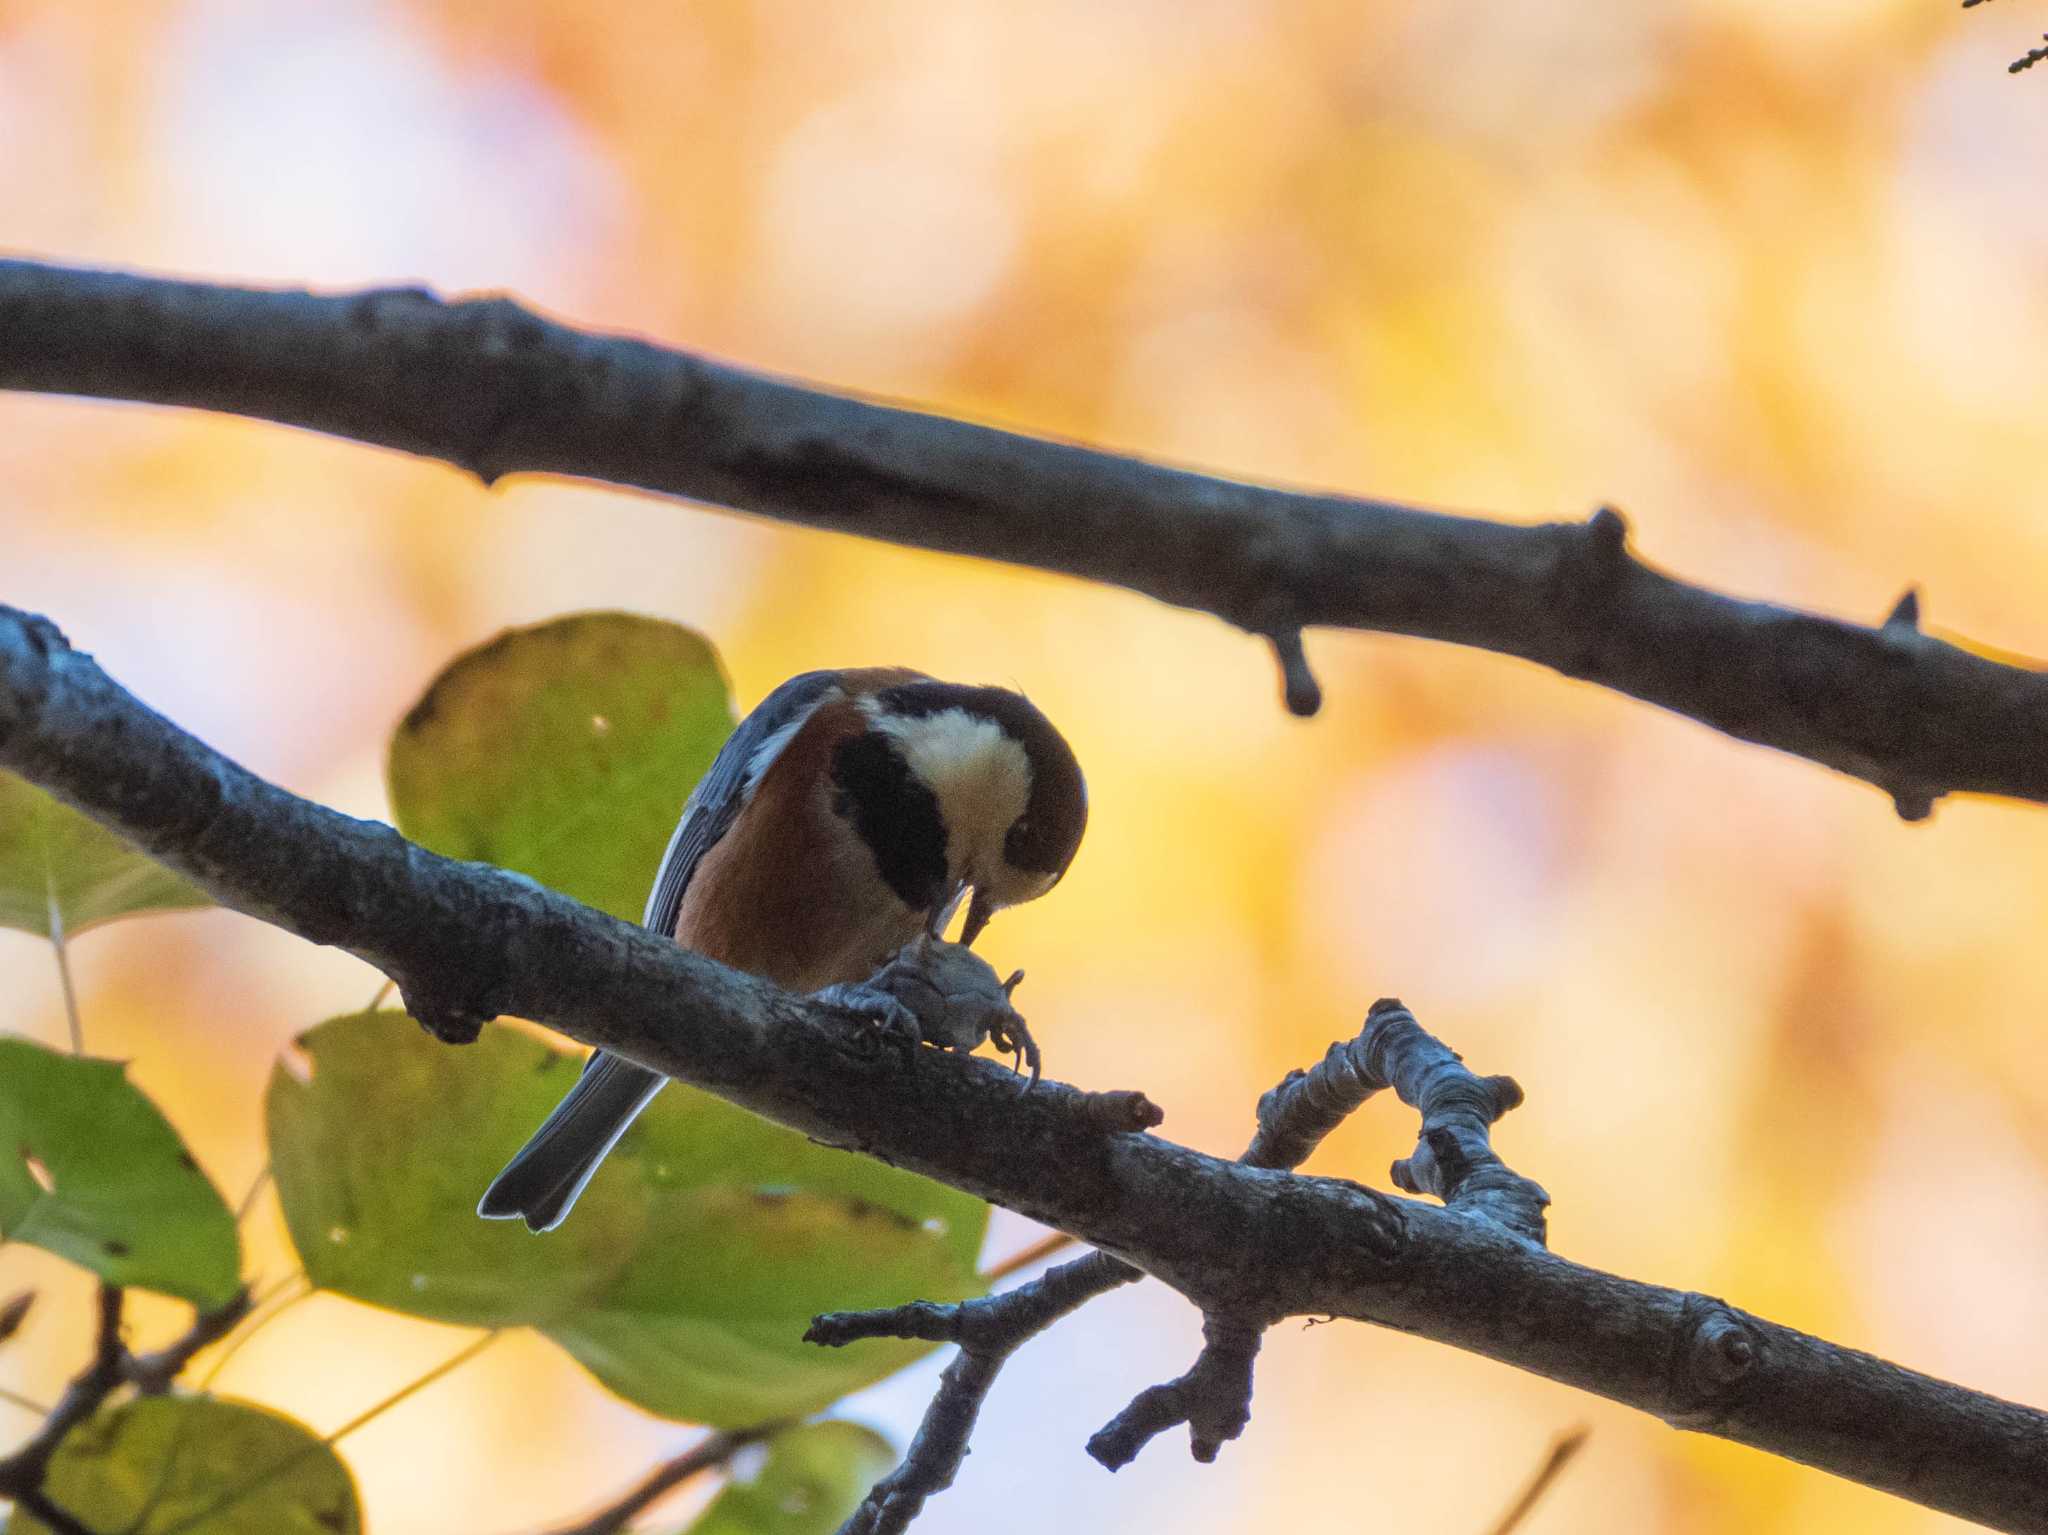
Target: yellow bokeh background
(1771,277)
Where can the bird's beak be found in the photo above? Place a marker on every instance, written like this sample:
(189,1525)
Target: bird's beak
(979,910)
(942,914)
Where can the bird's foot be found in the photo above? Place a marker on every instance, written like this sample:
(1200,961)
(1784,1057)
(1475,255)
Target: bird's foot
(895,1026)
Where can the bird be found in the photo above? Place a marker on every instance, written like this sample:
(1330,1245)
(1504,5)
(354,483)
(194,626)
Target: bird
(845,818)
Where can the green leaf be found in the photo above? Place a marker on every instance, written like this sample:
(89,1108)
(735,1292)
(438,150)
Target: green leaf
(197,1465)
(92,1171)
(691,1265)
(50,853)
(707,1322)
(813,1478)
(688,1138)
(382,1153)
(565,752)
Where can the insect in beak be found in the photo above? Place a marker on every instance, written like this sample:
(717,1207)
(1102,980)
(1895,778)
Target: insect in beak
(979,910)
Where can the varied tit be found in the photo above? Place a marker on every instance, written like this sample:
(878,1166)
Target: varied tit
(847,815)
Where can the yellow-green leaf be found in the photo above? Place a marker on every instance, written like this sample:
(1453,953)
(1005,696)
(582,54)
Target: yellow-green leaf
(193,1465)
(706,1322)
(688,1139)
(92,1171)
(381,1154)
(686,1274)
(565,752)
(52,855)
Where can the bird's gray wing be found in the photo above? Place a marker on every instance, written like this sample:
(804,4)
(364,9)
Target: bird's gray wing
(550,1171)
(717,800)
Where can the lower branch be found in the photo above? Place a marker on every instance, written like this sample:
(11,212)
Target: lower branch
(467,942)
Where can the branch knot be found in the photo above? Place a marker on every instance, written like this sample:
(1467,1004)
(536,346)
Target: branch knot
(1718,1353)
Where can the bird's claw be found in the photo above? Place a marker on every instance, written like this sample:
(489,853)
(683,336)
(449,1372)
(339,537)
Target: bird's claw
(1011,1034)
(895,1026)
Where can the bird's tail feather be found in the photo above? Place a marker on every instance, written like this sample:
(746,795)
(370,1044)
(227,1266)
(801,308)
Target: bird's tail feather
(542,1181)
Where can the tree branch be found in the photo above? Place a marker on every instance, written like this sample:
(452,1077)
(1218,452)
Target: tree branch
(1292,1120)
(988,1329)
(491,388)
(112,1366)
(467,942)
(707,1454)
(21,1473)
(155,1373)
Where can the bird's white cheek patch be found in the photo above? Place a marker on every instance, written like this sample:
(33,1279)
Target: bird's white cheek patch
(981,777)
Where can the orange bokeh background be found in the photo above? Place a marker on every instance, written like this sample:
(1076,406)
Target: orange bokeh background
(1773,278)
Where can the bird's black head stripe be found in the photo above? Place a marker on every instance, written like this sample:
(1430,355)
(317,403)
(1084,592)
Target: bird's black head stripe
(896,815)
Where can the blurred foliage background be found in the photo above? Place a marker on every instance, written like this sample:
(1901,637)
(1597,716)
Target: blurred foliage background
(1773,278)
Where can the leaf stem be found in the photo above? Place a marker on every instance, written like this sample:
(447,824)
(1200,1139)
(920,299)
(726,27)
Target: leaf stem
(56,911)
(453,1362)
(257,1321)
(26,1404)
(255,1191)
(1037,1252)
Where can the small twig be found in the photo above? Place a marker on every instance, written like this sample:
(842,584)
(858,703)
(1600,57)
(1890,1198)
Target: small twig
(37,1505)
(1454,1160)
(14,1313)
(1561,1453)
(1295,1117)
(2028,59)
(988,1329)
(1029,1257)
(1454,1157)
(707,1454)
(1298,685)
(21,1474)
(153,1374)
(1214,1399)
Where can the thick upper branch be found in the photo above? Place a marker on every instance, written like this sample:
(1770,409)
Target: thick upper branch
(488,386)
(467,941)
